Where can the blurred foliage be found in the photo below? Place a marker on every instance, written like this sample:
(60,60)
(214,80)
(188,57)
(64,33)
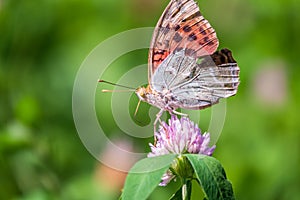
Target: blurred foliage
(42,44)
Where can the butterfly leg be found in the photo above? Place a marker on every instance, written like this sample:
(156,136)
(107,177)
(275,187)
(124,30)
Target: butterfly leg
(179,113)
(158,115)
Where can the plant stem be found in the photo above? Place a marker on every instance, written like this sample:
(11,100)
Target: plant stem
(184,192)
(187,190)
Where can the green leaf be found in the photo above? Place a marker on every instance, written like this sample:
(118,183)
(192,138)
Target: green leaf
(211,176)
(145,176)
(178,194)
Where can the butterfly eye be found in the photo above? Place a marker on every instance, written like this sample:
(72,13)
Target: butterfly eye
(141,93)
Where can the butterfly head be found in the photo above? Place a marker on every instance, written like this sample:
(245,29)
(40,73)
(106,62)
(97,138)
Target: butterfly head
(143,92)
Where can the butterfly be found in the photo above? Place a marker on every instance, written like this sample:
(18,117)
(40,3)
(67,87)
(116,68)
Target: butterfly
(185,70)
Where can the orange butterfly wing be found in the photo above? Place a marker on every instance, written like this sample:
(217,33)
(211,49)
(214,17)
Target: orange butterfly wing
(181,26)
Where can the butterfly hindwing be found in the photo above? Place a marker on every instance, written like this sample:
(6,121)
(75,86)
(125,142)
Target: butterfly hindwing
(198,85)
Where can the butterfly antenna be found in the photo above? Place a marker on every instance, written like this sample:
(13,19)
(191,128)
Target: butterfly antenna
(116,90)
(130,88)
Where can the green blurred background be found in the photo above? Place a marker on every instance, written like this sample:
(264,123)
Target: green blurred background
(43,43)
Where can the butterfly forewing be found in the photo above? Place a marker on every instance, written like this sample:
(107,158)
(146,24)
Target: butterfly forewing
(181,27)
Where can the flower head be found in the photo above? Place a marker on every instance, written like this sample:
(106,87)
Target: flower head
(178,137)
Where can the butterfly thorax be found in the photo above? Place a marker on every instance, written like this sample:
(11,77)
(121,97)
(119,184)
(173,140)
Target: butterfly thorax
(162,100)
